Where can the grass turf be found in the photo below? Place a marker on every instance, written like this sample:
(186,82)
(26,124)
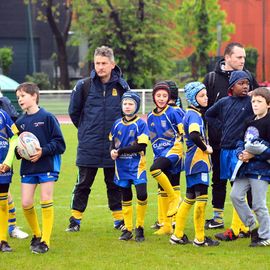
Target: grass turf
(97,246)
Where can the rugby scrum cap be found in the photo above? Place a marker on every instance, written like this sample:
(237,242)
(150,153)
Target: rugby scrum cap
(161,86)
(237,76)
(134,97)
(191,91)
(173,88)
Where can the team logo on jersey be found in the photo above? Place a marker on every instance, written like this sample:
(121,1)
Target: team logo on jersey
(251,133)
(37,124)
(114,92)
(152,124)
(163,123)
(22,126)
(119,132)
(131,133)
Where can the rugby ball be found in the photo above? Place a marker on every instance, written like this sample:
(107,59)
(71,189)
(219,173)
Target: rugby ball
(27,144)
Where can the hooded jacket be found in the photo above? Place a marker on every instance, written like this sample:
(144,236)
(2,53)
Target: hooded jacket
(95,116)
(218,90)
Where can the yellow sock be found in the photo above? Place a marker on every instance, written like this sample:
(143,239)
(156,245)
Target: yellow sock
(140,212)
(128,214)
(47,211)
(160,212)
(76,214)
(11,214)
(163,180)
(177,192)
(31,217)
(181,216)
(237,224)
(3,216)
(199,217)
(117,215)
(167,221)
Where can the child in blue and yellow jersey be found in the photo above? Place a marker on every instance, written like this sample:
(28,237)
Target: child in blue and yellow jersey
(165,126)
(43,168)
(8,142)
(129,136)
(197,167)
(176,103)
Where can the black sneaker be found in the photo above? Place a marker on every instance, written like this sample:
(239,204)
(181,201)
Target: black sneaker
(244,234)
(254,236)
(228,235)
(212,224)
(260,243)
(208,242)
(139,234)
(156,226)
(179,241)
(41,248)
(34,242)
(4,247)
(119,224)
(126,235)
(73,226)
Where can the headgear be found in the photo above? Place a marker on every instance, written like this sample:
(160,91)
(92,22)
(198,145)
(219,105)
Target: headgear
(237,76)
(191,91)
(134,97)
(161,86)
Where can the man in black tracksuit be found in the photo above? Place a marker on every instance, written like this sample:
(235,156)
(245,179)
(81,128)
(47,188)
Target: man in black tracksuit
(94,107)
(217,83)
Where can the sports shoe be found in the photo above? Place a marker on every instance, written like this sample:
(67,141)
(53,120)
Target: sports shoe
(212,224)
(208,242)
(260,243)
(4,247)
(156,226)
(18,233)
(73,226)
(126,235)
(254,235)
(244,234)
(139,234)
(228,235)
(173,207)
(179,241)
(34,242)
(119,224)
(40,248)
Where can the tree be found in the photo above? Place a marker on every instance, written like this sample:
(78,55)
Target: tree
(59,19)
(142,33)
(200,30)
(6,59)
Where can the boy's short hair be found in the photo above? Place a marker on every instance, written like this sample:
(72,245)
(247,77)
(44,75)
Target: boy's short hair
(104,51)
(263,92)
(229,48)
(29,88)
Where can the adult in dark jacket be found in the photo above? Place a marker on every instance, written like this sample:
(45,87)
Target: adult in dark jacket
(94,107)
(217,84)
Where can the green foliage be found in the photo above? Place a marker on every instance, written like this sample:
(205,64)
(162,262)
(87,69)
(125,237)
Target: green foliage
(200,30)
(143,35)
(41,79)
(6,59)
(251,59)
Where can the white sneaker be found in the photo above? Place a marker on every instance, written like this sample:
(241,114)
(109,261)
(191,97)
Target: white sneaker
(18,233)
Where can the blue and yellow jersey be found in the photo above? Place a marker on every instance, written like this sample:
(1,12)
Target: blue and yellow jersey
(166,130)
(196,160)
(7,130)
(130,166)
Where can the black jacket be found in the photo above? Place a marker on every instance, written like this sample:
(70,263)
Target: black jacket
(95,116)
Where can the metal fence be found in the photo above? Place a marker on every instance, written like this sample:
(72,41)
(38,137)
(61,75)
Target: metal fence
(56,101)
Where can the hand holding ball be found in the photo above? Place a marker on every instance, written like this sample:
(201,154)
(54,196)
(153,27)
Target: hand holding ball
(27,145)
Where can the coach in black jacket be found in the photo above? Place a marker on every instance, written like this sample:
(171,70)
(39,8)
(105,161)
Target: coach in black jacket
(217,83)
(94,106)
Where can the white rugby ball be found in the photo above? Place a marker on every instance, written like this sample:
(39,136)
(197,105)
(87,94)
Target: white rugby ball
(27,144)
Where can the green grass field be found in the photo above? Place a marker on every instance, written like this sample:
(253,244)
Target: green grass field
(97,246)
